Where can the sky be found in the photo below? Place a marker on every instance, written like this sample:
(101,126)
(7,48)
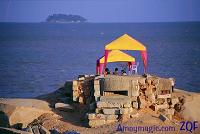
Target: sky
(102,10)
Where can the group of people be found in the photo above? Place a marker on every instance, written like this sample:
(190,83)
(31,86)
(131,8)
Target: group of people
(116,72)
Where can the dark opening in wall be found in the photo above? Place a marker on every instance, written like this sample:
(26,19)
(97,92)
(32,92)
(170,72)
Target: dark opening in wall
(116,93)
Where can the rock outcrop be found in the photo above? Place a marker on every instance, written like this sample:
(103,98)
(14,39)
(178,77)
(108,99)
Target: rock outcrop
(18,113)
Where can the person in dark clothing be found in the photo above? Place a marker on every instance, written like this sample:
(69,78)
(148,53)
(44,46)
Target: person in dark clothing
(107,71)
(116,71)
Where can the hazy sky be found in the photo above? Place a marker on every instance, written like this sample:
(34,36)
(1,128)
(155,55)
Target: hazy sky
(102,10)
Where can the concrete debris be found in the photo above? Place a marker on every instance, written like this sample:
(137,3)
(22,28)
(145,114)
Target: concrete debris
(114,98)
(35,130)
(43,130)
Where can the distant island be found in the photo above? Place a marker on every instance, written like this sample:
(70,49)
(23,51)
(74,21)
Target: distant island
(63,18)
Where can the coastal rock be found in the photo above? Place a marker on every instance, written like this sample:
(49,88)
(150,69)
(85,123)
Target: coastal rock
(20,112)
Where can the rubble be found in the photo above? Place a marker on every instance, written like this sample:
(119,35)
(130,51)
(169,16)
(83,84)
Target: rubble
(114,98)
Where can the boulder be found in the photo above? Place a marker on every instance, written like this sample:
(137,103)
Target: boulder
(21,112)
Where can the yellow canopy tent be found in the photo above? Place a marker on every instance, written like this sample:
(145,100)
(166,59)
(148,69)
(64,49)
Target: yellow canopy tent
(114,56)
(126,42)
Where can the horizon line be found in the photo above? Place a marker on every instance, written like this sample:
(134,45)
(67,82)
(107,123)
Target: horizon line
(99,22)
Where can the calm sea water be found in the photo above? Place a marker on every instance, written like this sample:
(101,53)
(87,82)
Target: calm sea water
(37,58)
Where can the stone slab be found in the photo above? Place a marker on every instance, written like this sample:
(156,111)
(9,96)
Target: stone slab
(96,123)
(164,106)
(164,96)
(126,110)
(94,116)
(135,104)
(111,111)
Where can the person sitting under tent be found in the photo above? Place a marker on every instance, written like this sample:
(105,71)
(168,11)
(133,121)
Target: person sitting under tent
(107,71)
(123,72)
(116,71)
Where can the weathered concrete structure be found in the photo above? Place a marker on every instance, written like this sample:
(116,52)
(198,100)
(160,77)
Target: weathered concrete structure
(113,97)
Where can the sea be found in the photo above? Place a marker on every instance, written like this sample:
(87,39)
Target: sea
(38,58)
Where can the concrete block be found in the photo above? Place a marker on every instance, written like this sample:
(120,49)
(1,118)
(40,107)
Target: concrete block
(96,87)
(126,110)
(142,102)
(43,130)
(94,116)
(111,117)
(97,93)
(174,101)
(96,123)
(111,121)
(74,88)
(135,104)
(142,81)
(75,82)
(164,96)
(111,111)
(152,98)
(114,105)
(96,82)
(127,104)
(124,117)
(134,115)
(29,129)
(101,104)
(134,98)
(98,110)
(35,130)
(169,111)
(136,91)
(164,106)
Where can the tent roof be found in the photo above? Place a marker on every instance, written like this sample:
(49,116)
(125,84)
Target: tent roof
(117,56)
(125,42)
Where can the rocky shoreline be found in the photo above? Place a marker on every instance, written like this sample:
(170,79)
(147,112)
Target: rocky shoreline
(57,113)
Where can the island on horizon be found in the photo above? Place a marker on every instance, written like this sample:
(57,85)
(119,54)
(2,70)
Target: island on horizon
(63,18)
